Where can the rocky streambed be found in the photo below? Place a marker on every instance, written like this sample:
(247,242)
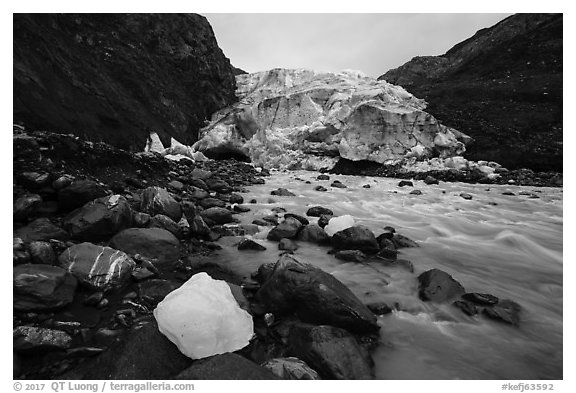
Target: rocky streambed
(344,277)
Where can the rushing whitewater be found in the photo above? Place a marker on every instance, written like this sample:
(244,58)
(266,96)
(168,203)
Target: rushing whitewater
(508,246)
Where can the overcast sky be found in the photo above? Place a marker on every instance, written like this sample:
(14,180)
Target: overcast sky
(371,43)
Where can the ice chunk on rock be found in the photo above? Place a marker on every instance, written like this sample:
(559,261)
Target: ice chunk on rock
(203,319)
(338,224)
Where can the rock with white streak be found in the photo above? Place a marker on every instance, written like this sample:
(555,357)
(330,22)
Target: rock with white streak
(97,266)
(203,319)
(306,119)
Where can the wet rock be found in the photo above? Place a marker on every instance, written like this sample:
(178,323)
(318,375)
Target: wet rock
(291,368)
(466,196)
(36,340)
(366,186)
(141,273)
(62,181)
(287,244)
(198,193)
(506,311)
(227,366)
(379,308)
(42,287)
(324,220)
(314,234)
(199,228)
(156,200)
(217,215)
(42,252)
(351,255)
(320,188)
(218,185)
(138,356)
(41,229)
(241,209)
(315,296)
(401,241)
(271,219)
(140,220)
(153,243)
(164,222)
(26,206)
(393,262)
(416,192)
(236,198)
(355,238)
(482,299)
(282,192)
(96,266)
(431,180)
(247,244)
(387,246)
(207,203)
(438,286)
(467,308)
(331,351)
(303,220)
(34,180)
(176,185)
(99,219)
(155,290)
(317,211)
(260,222)
(288,228)
(509,193)
(405,183)
(79,193)
(337,184)
(323,177)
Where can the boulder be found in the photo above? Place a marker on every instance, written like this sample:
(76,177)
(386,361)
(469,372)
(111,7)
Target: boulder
(282,192)
(207,203)
(218,185)
(506,311)
(152,243)
(97,267)
(154,291)
(198,227)
(156,200)
(141,220)
(320,188)
(467,307)
(144,354)
(42,252)
(431,180)
(337,224)
(217,215)
(331,351)
(323,177)
(288,228)
(438,286)
(355,238)
(203,319)
(405,183)
(99,219)
(482,299)
(291,368)
(42,287)
(314,295)
(303,220)
(236,198)
(466,196)
(227,366)
(323,220)
(36,340)
(26,206)
(34,180)
(164,222)
(317,211)
(401,241)
(41,229)
(314,234)
(351,255)
(248,244)
(337,184)
(79,193)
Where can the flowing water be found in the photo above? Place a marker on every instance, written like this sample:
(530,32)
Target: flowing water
(512,250)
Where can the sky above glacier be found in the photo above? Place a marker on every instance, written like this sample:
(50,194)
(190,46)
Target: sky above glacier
(372,43)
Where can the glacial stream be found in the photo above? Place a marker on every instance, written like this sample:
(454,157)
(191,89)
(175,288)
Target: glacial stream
(508,246)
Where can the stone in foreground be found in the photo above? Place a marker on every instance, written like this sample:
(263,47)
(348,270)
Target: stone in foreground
(31,339)
(438,286)
(156,200)
(228,366)
(152,243)
(355,238)
(315,296)
(333,352)
(203,319)
(42,287)
(291,368)
(97,267)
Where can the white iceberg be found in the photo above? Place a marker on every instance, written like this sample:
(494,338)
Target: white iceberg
(203,319)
